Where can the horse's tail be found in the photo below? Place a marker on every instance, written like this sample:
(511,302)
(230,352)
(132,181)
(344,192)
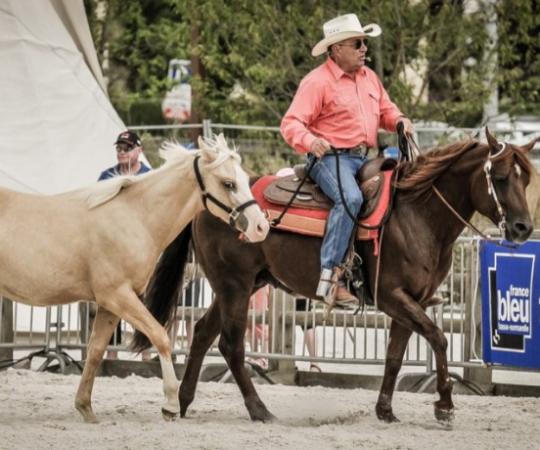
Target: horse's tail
(164,286)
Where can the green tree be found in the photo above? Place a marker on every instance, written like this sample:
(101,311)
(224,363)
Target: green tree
(252,54)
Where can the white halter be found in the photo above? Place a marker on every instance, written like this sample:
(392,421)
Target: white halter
(491,189)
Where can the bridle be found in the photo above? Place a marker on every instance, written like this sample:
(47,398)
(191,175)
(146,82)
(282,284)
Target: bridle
(491,191)
(491,188)
(234,213)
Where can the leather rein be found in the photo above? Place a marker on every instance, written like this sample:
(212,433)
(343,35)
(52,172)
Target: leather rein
(491,191)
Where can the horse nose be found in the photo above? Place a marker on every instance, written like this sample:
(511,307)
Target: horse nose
(522,230)
(262,228)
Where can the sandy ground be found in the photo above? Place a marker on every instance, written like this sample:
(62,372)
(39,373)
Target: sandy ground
(37,413)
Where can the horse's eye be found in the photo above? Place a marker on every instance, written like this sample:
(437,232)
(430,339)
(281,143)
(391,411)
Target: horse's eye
(229,185)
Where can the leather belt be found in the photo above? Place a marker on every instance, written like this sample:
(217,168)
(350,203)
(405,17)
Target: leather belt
(359,149)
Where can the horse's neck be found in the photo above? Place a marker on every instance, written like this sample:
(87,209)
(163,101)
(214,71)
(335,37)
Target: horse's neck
(171,200)
(454,185)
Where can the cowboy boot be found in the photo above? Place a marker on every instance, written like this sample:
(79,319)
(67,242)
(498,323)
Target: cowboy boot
(344,298)
(333,290)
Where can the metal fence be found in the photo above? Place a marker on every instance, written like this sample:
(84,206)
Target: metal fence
(276,327)
(281,327)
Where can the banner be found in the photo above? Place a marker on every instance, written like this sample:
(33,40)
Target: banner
(511,304)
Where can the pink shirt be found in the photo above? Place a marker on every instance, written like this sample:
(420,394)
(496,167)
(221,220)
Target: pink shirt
(346,112)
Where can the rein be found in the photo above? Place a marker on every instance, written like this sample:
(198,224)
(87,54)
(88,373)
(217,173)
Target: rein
(234,213)
(278,219)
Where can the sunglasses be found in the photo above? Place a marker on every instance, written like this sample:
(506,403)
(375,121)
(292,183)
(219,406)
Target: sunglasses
(357,45)
(124,148)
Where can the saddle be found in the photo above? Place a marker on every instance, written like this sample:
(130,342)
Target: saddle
(370,179)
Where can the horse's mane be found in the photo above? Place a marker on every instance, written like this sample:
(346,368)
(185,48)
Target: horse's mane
(174,154)
(103,191)
(417,177)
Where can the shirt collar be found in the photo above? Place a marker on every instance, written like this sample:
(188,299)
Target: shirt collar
(337,72)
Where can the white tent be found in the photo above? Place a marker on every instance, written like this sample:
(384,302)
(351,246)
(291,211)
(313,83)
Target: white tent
(57,126)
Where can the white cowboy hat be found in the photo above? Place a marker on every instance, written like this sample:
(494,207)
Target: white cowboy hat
(341,28)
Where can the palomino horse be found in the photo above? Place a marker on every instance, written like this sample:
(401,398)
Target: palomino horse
(101,244)
(415,257)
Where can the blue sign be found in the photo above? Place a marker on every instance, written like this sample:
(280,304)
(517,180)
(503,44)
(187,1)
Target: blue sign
(511,304)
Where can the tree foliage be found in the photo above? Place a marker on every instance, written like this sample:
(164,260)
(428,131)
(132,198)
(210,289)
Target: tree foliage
(253,53)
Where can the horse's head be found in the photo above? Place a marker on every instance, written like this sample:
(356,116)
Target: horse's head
(226,191)
(499,191)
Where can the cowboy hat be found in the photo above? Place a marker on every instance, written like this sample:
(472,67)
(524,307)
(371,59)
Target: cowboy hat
(341,28)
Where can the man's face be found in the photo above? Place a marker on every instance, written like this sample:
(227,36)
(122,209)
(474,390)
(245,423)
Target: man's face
(350,54)
(127,154)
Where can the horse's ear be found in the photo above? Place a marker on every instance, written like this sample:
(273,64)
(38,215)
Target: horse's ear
(201,143)
(528,147)
(494,145)
(222,141)
(208,153)
(492,141)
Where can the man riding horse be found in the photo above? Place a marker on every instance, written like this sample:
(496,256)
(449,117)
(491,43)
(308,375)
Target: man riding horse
(335,114)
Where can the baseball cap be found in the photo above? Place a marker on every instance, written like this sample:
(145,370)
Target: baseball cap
(130,138)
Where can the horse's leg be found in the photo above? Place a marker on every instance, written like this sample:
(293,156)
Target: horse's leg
(206,330)
(104,325)
(399,337)
(231,345)
(129,307)
(405,310)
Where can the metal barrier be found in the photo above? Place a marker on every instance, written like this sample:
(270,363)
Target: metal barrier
(343,339)
(278,328)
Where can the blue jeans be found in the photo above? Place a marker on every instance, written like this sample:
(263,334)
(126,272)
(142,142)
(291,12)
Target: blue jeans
(339,226)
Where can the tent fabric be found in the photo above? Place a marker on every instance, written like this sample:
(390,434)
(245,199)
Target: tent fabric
(57,126)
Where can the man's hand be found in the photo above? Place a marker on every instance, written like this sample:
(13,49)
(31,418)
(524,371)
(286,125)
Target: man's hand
(319,147)
(408,127)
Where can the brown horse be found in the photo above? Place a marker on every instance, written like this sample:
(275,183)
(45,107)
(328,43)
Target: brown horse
(415,257)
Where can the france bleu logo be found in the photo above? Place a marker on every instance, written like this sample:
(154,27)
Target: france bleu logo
(510,297)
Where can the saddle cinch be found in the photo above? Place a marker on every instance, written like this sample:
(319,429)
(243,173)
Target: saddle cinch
(309,210)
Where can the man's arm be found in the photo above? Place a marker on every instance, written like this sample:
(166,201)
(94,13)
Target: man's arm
(305,107)
(390,114)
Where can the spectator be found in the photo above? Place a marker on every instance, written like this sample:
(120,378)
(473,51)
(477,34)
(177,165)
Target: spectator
(128,149)
(190,297)
(257,333)
(310,338)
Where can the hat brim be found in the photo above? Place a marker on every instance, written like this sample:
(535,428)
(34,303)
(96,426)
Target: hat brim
(125,141)
(371,30)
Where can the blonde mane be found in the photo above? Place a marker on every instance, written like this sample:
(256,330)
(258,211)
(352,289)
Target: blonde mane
(104,191)
(173,153)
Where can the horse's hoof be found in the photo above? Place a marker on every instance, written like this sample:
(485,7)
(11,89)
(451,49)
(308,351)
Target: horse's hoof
(168,416)
(183,412)
(444,415)
(87,414)
(266,416)
(258,412)
(386,415)
(185,401)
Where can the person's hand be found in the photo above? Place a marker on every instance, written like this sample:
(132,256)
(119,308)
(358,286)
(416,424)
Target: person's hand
(408,127)
(319,147)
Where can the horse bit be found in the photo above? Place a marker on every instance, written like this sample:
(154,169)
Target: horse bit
(234,213)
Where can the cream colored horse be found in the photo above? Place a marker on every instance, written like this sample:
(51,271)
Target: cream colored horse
(101,244)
